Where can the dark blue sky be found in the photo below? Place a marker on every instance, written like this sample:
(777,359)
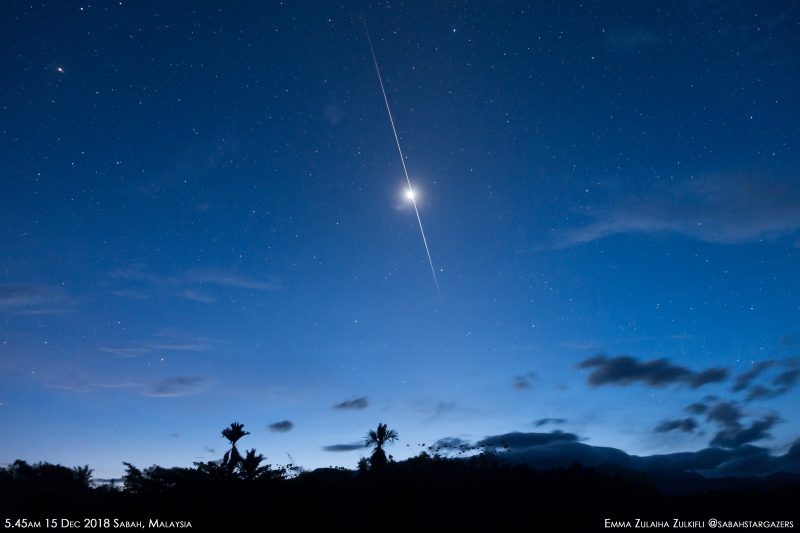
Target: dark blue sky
(202,220)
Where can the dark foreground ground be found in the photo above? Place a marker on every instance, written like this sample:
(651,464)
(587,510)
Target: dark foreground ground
(416,495)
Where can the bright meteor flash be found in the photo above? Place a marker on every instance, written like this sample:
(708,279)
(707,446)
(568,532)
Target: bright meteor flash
(410,191)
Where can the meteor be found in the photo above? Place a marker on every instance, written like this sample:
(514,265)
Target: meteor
(410,191)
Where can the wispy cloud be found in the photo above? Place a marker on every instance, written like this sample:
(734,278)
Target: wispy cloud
(33,299)
(165,341)
(720,209)
(357,403)
(197,296)
(545,421)
(228,278)
(197,284)
(91,386)
(177,386)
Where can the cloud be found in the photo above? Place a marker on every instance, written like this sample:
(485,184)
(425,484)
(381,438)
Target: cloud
(718,209)
(624,370)
(177,386)
(732,433)
(734,437)
(281,427)
(357,403)
(197,296)
(699,408)
(517,440)
(165,341)
(31,299)
(744,380)
(781,383)
(559,450)
(787,379)
(191,285)
(522,382)
(451,444)
(91,386)
(344,447)
(726,414)
(687,425)
(229,278)
(544,421)
(130,351)
(133,294)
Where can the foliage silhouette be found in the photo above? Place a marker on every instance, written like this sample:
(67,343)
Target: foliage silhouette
(48,475)
(379,438)
(432,492)
(232,458)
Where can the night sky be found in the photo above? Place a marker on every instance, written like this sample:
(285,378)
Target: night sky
(203,220)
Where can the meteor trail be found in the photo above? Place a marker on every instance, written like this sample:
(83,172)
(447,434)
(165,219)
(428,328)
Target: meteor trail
(411,196)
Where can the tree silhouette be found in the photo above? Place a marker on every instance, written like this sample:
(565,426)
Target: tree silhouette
(249,465)
(378,438)
(233,433)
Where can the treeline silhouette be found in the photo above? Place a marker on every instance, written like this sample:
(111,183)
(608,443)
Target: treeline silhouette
(427,492)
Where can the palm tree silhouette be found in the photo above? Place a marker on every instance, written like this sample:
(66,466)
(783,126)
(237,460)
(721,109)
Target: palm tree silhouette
(233,433)
(378,438)
(249,466)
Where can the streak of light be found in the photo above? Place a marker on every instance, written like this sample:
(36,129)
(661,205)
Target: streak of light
(400,151)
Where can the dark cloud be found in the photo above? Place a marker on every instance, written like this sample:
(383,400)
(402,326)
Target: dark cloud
(733,437)
(525,381)
(781,383)
(542,451)
(624,370)
(451,444)
(544,421)
(687,425)
(177,386)
(712,375)
(699,408)
(726,414)
(344,447)
(281,427)
(745,379)
(760,392)
(517,440)
(788,379)
(720,209)
(357,403)
(733,433)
